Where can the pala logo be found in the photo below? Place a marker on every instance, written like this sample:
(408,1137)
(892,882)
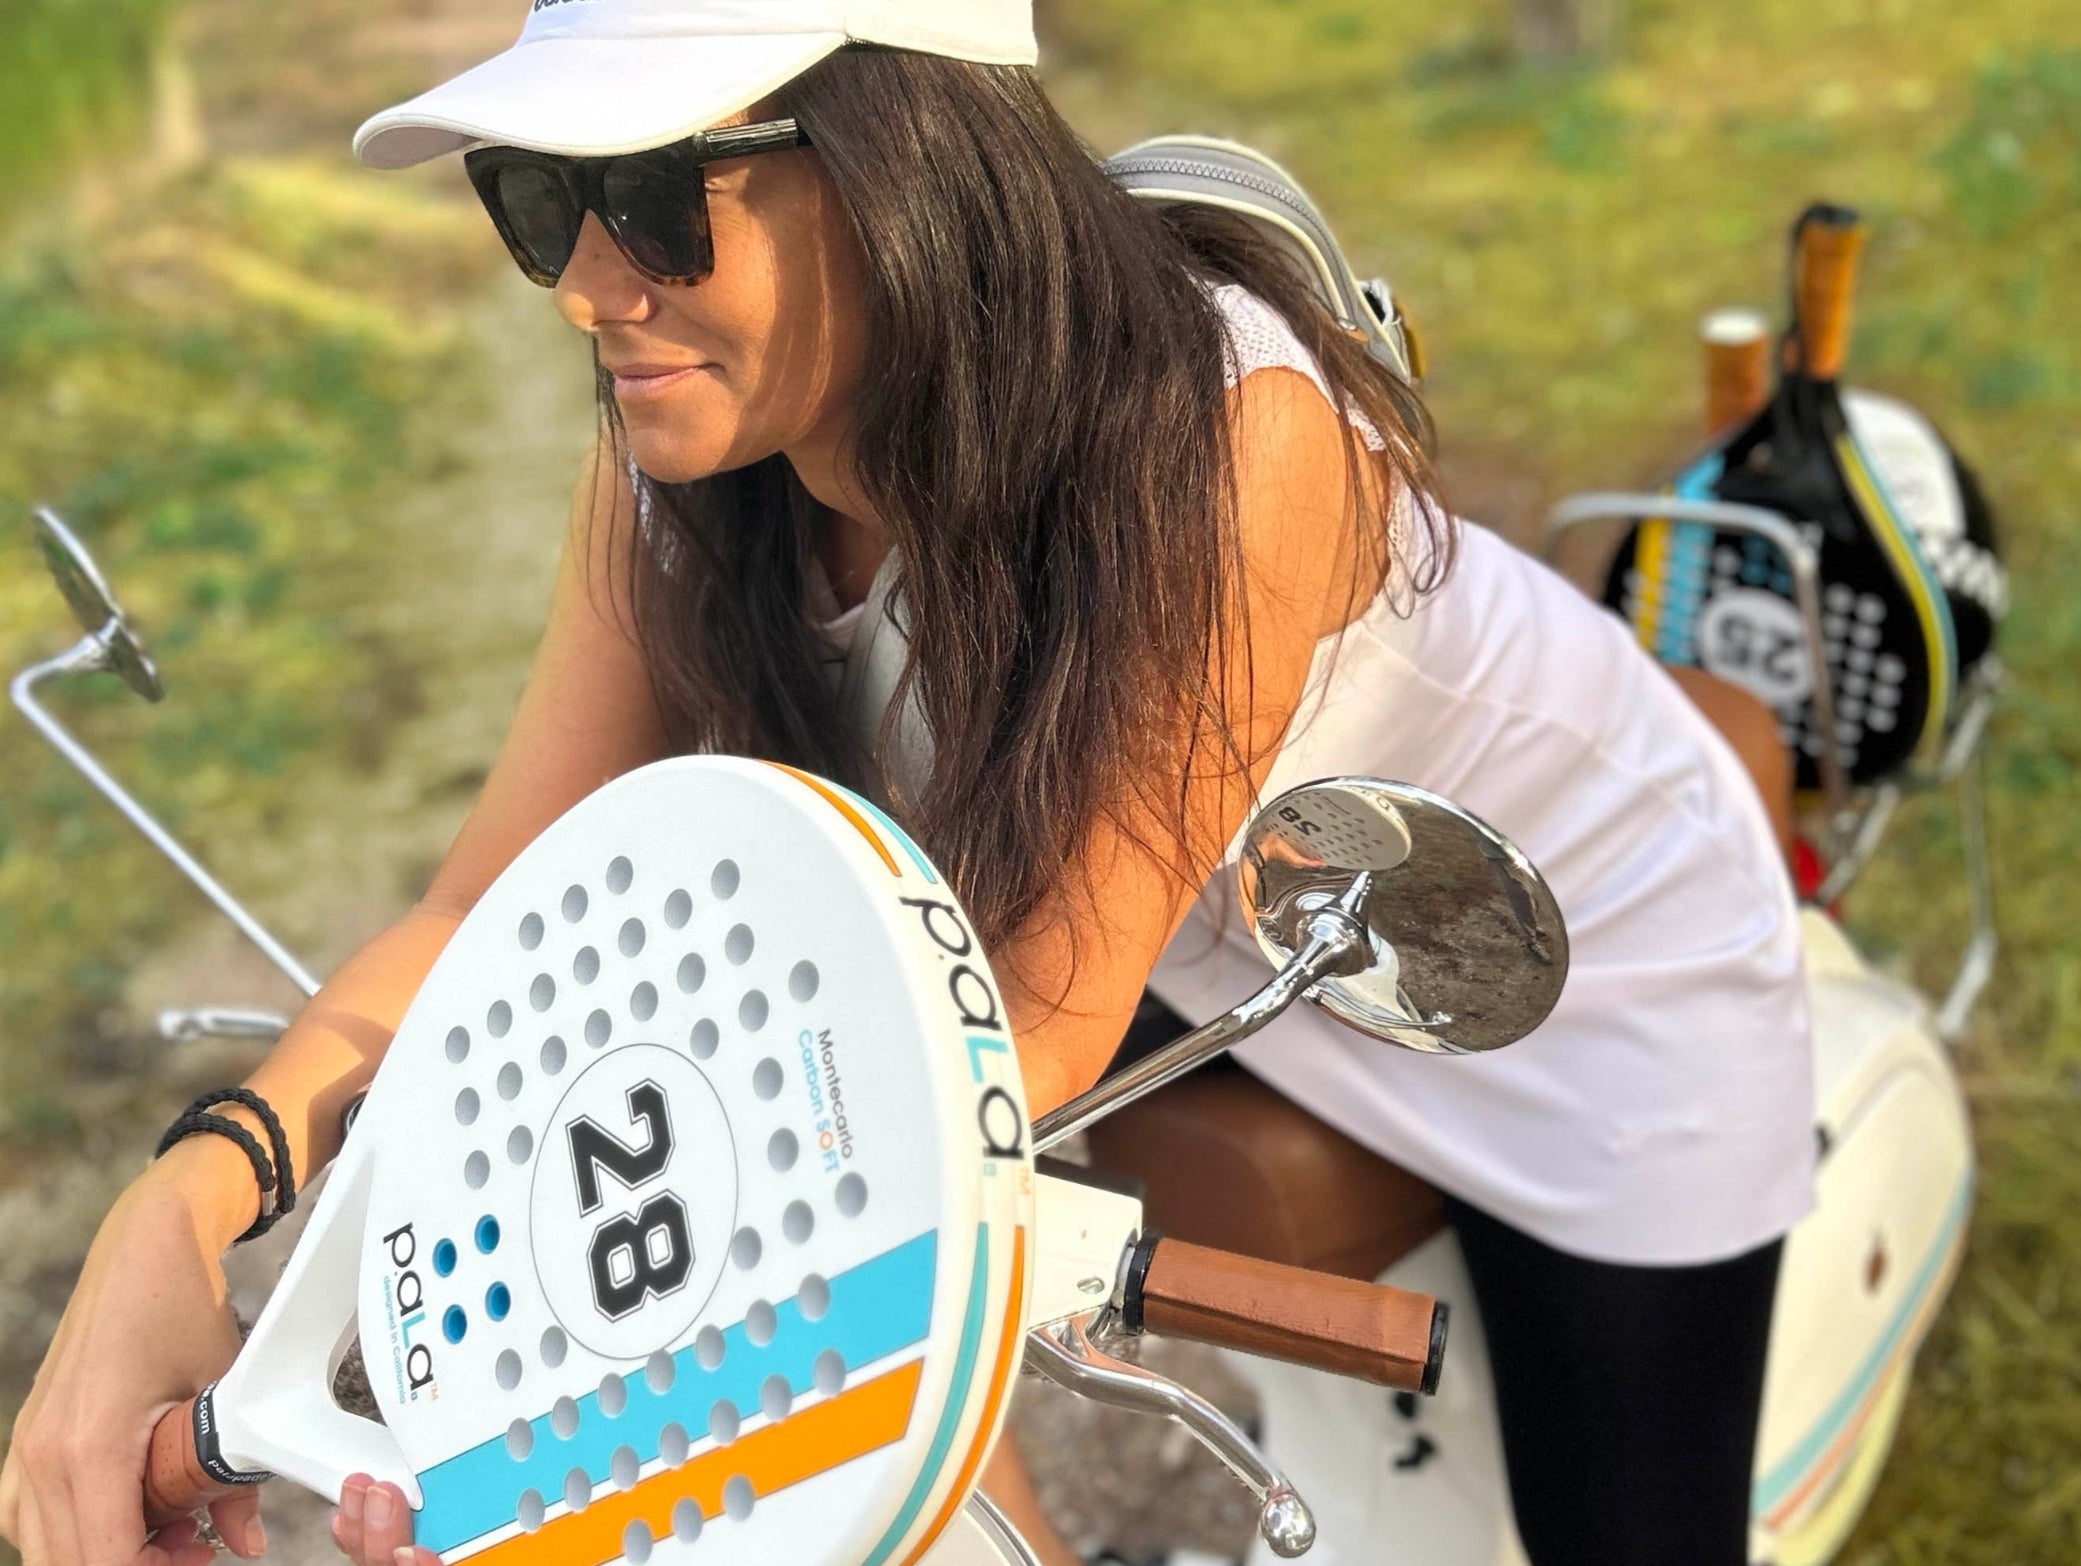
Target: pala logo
(543,5)
(410,1294)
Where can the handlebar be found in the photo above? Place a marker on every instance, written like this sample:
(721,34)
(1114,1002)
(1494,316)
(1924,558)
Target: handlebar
(1830,241)
(1368,1331)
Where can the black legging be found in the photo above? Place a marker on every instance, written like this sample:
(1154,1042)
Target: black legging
(1629,1396)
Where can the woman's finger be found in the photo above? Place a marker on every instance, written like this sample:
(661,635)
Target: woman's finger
(237,1521)
(346,1524)
(416,1555)
(386,1525)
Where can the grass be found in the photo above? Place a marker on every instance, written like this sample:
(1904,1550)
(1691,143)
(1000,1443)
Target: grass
(1557,236)
(209,378)
(70,72)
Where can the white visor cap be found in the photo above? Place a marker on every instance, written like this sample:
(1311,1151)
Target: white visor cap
(598,77)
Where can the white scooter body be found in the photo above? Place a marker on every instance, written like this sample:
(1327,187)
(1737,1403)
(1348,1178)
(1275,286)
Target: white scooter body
(1862,1278)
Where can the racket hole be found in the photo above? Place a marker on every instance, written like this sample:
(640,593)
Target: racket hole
(704,1039)
(621,875)
(498,1302)
(766,1078)
(466,1107)
(487,1235)
(679,908)
(803,980)
(554,1054)
(542,993)
(520,1440)
(458,1045)
(509,1081)
(454,1323)
(563,1419)
(585,967)
(725,880)
(738,1496)
(693,973)
(660,1371)
(624,1468)
(829,1373)
(851,1194)
(746,1248)
(708,1348)
(737,945)
(814,1298)
(444,1258)
(760,1323)
(631,938)
(776,1398)
(636,1539)
(686,1520)
(752,1011)
(476,1169)
(554,1347)
(614,1395)
(578,1489)
(531,931)
(798,1223)
(599,1028)
(673,1445)
(498,1021)
(643,1002)
(531,1510)
(507,1369)
(723,1422)
(782,1150)
(575,903)
(520,1146)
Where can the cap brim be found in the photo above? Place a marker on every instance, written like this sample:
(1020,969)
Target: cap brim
(592,96)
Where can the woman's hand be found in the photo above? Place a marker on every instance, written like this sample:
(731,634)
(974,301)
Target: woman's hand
(373,1526)
(149,1325)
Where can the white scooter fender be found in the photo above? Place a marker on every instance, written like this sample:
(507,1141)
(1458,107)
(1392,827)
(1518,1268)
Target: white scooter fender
(1861,1281)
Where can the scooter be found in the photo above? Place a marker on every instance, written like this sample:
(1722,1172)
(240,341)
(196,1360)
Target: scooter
(1342,884)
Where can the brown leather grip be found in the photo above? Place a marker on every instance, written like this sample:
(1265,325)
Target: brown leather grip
(1366,1330)
(1830,241)
(1737,367)
(175,1483)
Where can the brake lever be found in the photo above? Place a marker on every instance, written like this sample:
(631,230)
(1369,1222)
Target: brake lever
(1065,1354)
(998,1529)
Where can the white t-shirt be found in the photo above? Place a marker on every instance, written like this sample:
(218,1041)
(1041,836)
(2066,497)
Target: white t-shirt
(1664,1113)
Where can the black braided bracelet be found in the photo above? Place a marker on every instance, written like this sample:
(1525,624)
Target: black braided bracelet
(246,1098)
(194,1121)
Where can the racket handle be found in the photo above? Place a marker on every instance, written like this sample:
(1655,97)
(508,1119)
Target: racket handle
(1737,367)
(1830,241)
(184,1470)
(1368,1331)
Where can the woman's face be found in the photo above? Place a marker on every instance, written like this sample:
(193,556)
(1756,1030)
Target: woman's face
(763,356)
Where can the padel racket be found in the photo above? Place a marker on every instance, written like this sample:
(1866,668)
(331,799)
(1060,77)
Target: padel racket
(690,1203)
(1892,622)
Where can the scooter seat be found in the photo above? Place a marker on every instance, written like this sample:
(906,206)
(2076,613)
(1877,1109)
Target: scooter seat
(1226,1162)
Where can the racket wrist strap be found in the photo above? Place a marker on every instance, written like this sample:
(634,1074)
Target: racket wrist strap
(276,1176)
(209,1449)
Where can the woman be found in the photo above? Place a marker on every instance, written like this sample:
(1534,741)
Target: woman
(898,336)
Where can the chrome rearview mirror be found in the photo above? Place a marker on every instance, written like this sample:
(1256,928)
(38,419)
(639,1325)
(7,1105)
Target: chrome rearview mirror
(1392,909)
(1464,946)
(95,607)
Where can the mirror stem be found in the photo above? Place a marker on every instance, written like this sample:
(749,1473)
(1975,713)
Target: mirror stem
(1336,944)
(91,654)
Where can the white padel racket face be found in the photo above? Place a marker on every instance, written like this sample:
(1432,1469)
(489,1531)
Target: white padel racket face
(693,1196)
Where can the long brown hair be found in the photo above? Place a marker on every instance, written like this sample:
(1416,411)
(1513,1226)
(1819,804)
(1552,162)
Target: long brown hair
(1044,429)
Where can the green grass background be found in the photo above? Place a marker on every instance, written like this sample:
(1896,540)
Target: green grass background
(214,373)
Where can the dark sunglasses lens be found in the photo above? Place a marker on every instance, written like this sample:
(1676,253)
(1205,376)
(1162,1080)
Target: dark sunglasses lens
(659,217)
(539,216)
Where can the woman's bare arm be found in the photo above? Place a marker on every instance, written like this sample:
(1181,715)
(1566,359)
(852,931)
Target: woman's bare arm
(1123,902)
(586,716)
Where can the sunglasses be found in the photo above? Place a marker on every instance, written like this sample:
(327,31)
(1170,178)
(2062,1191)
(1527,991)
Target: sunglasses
(653,204)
